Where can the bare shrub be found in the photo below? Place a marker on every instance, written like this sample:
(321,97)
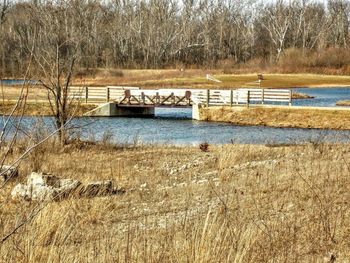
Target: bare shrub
(204,147)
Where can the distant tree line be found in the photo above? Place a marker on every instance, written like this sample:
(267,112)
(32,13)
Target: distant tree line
(165,33)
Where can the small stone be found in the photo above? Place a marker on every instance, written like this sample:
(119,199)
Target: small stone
(19,191)
(43,193)
(7,172)
(44,187)
(67,186)
(47,187)
(43,179)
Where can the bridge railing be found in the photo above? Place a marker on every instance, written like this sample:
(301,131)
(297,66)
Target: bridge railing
(241,96)
(180,96)
(99,94)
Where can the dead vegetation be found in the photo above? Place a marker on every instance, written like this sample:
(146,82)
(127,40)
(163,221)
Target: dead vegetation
(234,203)
(196,78)
(274,116)
(343,103)
(291,36)
(301,96)
(42,108)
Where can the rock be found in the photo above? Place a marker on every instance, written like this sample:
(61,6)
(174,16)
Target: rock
(19,191)
(37,192)
(44,187)
(69,184)
(43,179)
(7,172)
(97,189)
(43,193)
(47,187)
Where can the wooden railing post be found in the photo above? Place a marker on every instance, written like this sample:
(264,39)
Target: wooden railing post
(188,95)
(86,94)
(143,98)
(107,94)
(290,97)
(231,98)
(157,98)
(262,96)
(248,98)
(173,99)
(208,97)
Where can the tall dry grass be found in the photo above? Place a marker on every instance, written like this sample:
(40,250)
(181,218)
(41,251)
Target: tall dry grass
(279,116)
(332,61)
(235,203)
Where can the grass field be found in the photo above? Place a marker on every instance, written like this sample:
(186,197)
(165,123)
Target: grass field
(197,78)
(295,117)
(42,108)
(235,203)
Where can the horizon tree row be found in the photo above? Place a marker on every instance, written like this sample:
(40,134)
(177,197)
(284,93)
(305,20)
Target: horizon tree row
(164,33)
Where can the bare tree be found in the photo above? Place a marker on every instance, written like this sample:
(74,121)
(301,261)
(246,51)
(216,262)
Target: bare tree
(4,8)
(55,47)
(339,14)
(160,33)
(277,21)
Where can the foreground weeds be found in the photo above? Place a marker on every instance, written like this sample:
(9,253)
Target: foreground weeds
(234,203)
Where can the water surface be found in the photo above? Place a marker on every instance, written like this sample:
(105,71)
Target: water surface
(175,126)
(180,130)
(324,97)
(15,82)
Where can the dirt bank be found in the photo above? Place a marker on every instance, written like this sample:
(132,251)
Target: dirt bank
(41,108)
(296,117)
(343,103)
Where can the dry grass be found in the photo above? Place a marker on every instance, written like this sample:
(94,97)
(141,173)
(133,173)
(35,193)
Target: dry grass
(297,95)
(235,203)
(343,103)
(197,79)
(42,108)
(274,116)
(35,93)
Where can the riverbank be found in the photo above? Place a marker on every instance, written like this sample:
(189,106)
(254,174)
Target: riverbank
(42,108)
(279,116)
(343,103)
(183,203)
(301,96)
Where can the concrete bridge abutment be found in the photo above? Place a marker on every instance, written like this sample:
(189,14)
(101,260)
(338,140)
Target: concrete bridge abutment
(196,112)
(111,109)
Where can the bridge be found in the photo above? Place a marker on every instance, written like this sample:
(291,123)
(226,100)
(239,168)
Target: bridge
(126,101)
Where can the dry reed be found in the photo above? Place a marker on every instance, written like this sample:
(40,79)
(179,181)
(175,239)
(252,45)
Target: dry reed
(235,203)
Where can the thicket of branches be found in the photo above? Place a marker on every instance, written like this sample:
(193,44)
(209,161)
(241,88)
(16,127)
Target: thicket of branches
(166,33)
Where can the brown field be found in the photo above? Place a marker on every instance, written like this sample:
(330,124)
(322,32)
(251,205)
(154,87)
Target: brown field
(197,79)
(273,116)
(42,108)
(235,203)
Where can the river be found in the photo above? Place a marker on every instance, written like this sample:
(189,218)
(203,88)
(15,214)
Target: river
(175,126)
